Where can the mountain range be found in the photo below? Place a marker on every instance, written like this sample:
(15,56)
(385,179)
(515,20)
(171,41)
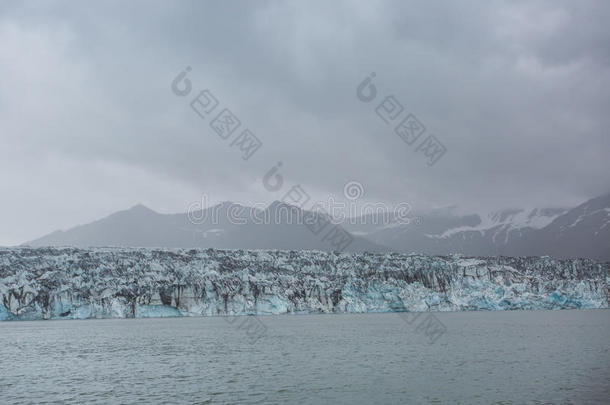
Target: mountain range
(582,231)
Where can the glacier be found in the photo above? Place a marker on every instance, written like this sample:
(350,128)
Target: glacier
(71,283)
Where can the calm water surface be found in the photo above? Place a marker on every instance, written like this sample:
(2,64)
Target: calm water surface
(484,357)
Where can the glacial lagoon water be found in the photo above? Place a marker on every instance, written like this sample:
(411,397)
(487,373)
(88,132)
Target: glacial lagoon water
(517,357)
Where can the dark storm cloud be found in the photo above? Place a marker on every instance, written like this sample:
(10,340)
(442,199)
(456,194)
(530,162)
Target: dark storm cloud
(516,91)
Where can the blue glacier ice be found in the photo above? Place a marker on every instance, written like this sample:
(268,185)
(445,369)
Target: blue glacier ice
(69,283)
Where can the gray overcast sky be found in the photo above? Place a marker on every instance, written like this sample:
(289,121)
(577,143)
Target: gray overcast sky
(518,92)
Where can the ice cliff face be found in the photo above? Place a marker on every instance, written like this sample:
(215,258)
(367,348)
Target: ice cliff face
(68,283)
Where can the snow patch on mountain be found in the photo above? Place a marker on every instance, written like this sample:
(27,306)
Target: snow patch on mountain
(502,223)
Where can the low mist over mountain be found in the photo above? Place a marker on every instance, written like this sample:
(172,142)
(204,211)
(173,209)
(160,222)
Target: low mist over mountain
(224,226)
(583,231)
